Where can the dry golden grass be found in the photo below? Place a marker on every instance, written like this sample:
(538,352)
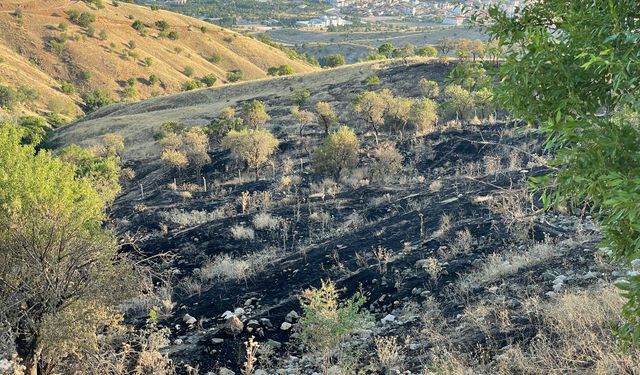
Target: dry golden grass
(27,61)
(575,338)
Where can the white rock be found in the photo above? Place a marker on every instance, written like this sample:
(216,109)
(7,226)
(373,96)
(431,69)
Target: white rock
(226,315)
(188,319)
(225,371)
(178,341)
(292,316)
(239,311)
(388,319)
(285,326)
(217,340)
(635,264)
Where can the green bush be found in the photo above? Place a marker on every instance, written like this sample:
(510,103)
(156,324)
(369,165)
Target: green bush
(95,99)
(337,153)
(190,85)
(332,61)
(138,25)
(34,129)
(83,19)
(209,80)
(300,96)
(373,80)
(327,322)
(8,97)
(188,71)
(173,35)
(215,58)
(162,25)
(234,75)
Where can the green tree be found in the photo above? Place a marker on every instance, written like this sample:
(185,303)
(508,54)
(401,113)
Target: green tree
(429,89)
(138,25)
(459,102)
(386,49)
(326,115)
(209,80)
(372,107)
(424,115)
(337,153)
(300,96)
(95,99)
(188,71)
(34,129)
(254,114)
(57,263)
(252,146)
(427,51)
(8,97)
(571,68)
(334,60)
(102,172)
(234,75)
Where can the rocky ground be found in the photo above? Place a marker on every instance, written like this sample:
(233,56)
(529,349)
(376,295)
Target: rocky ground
(454,248)
(462,271)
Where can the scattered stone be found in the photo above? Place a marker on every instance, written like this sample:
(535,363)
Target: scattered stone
(178,341)
(388,319)
(225,371)
(233,326)
(188,319)
(226,315)
(260,372)
(266,323)
(274,344)
(217,340)
(239,311)
(249,302)
(292,317)
(285,326)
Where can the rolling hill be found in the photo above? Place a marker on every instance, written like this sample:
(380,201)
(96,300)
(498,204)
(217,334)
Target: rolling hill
(41,45)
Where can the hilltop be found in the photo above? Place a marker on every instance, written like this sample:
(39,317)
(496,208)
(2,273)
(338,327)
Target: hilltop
(118,49)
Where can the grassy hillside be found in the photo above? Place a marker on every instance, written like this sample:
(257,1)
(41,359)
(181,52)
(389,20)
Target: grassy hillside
(40,46)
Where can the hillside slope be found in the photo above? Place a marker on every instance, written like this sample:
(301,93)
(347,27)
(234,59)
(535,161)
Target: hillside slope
(462,272)
(108,59)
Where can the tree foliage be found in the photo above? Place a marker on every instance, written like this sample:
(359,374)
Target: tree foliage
(326,115)
(326,321)
(252,146)
(337,153)
(571,68)
(254,114)
(56,260)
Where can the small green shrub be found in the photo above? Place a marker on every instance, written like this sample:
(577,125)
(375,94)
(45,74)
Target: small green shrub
(95,99)
(327,322)
(8,97)
(300,96)
(209,80)
(138,25)
(190,85)
(188,71)
(234,75)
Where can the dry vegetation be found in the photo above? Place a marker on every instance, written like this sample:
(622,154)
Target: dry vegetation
(461,270)
(113,52)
